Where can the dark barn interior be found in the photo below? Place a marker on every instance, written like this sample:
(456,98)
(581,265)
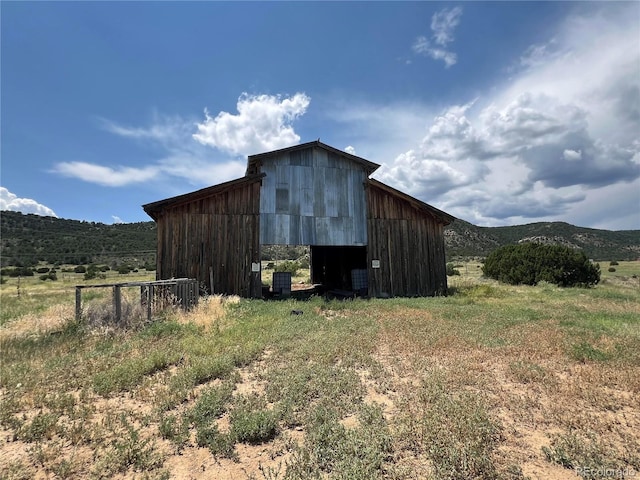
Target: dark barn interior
(331,266)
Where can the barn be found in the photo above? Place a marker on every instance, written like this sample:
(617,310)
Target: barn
(363,235)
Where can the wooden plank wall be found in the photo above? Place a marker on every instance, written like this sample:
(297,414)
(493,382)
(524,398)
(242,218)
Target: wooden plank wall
(409,244)
(312,197)
(217,234)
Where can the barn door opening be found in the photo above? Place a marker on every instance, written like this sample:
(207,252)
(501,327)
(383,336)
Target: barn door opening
(339,268)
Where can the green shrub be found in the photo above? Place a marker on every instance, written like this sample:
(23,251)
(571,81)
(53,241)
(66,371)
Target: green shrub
(211,405)
(530,263)
(94,272)
(613,262)
(174,430)
(80,269)
(288,266)
(42,270)
(19,272)
(612,269)
(451,270)
(42,426)
(124,269)
(220,444)
(303,262)
(254,427)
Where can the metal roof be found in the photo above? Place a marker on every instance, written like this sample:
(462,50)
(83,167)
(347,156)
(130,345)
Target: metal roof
(253,161)
(252,175)
(444,217)
(154,208)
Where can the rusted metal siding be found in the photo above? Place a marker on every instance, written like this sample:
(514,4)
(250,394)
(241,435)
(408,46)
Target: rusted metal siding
(312,196)
(408,243)
(213,238)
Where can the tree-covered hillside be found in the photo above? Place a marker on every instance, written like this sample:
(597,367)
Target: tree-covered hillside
(27,239)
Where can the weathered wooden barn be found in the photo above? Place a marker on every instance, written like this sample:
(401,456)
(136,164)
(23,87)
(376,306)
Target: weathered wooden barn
(359,230)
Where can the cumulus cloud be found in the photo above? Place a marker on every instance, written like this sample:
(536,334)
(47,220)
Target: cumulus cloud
(116,219)
(563,126)
(10,201)
(443,23)
(263,123)
(350,149)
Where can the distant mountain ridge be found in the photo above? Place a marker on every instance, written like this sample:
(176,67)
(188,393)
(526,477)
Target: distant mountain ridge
(465,239)
(27,238)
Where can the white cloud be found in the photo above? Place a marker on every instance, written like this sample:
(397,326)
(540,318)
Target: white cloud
(613,207)
(545,143)
(202,171)
(380,131)
(163,129)
(106,176)
(350,149)
(116,219)
(572,155)
(424,47)
(539,54)
(263,123)
(10,201)
(443,24)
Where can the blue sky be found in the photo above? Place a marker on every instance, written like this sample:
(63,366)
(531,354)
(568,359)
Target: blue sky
(498,113)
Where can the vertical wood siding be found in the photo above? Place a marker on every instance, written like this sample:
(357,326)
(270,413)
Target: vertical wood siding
(312,197)
(306,196)
(409,243)
(218,233)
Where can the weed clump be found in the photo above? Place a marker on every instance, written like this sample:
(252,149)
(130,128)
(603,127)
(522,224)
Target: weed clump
(361,452)
(99,315)
(454,430)
(582,451)
(253,426)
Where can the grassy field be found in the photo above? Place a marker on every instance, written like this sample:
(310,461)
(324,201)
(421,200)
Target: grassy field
(490,382)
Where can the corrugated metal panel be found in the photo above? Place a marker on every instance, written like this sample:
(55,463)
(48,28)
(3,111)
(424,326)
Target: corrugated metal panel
(312,197)
(319,208)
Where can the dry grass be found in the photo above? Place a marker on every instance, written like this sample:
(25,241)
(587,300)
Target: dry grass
(51,320)
(492,382)
(209,313)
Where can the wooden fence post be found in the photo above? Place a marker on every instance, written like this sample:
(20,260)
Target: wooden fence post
(143,296)
(78,303)
(149,301)
(117,303)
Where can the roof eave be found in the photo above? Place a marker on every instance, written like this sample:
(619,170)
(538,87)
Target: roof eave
(154,208)
(444,217)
